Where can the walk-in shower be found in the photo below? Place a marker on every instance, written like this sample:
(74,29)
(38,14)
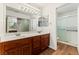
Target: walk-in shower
(66,20)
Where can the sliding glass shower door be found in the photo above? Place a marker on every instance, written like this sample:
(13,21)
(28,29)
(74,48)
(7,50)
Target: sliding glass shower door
(67,23)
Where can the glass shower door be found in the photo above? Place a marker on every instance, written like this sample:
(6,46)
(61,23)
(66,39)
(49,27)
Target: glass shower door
(67,26)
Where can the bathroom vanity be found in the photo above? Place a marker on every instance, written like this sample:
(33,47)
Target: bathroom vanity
(25,46)
(24,31)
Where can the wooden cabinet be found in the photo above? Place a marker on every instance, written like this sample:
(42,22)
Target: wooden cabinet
(1,48)
(25,50)
(44,41)
(40,43)
(13,51)
(18,47)
(26,46)
(36,45)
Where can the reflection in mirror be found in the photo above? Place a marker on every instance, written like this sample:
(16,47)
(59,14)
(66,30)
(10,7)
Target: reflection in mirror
(23,24)
(17,24)
(11,24)
(43,22)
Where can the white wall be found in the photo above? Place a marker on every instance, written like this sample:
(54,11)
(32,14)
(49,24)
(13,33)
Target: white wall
(17,14)
(51,11)
(2,19)
(78,31)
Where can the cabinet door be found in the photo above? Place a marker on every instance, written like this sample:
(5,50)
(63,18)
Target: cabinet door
(36,42)
(14,51)
(44,41)
(36,45)
(36,51)
(25,50)
(1,49)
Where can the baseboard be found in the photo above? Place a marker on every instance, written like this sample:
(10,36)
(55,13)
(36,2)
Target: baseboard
(74,45)
(54,48)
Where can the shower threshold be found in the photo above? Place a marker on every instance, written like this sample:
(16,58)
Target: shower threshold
(68,43)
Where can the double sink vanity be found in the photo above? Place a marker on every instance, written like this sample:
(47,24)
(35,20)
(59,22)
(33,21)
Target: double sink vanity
(30,43)
(18,36)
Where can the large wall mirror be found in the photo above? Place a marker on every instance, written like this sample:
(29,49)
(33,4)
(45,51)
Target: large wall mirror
(15,24)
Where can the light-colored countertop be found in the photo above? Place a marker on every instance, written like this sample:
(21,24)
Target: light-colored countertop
(15,36)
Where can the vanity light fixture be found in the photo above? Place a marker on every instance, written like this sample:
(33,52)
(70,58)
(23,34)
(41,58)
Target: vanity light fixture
(30,10)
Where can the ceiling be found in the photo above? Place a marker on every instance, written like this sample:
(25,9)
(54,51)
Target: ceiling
(63,7)
(38,5)
(42,5)
(67,7)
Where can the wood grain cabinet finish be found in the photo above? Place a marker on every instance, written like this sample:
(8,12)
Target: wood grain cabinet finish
(13,51)
(44,41)
(25,50)
(1,49)
(25,46)
(40,43)
(36,45)
(18,47)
